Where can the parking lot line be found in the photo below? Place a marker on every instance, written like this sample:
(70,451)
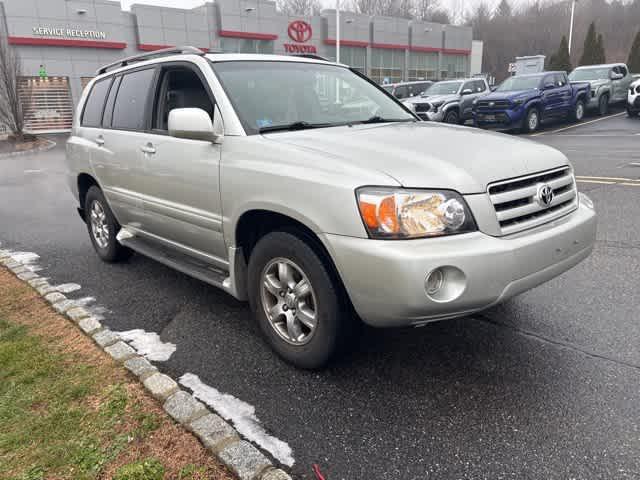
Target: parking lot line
(628,182)
(578,124)
(596,181)
(622,179)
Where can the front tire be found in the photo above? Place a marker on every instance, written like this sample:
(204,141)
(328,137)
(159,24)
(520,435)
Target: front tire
(452,116)
(578,111)
(103,228)
(301,308)
(603,104)
(531,121)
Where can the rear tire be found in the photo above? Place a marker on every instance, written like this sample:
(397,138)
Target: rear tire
(103,228)
(305,326)
(578,111)
(531,121)
(603,104)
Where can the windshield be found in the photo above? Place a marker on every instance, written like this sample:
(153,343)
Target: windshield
(444,88)
(519,83)
(589,74)
(267,95)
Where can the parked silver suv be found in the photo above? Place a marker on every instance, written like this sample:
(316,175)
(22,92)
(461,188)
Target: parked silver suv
(302,186)
(609,84)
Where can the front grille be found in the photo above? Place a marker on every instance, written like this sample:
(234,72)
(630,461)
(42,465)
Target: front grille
(493,104)
(517,203)
(423,107)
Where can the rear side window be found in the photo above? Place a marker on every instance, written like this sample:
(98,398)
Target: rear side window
(129,112)
(92,115)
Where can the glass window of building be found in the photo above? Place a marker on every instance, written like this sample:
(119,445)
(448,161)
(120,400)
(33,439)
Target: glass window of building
(387,65)
(355,57)
(454,66)
(423,66)
(245,45)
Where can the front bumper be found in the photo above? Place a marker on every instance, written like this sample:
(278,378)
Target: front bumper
(431,116)
(386,279)
(633,103)
(499,119)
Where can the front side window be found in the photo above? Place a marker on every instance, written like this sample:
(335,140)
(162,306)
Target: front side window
(180,87)
(272,94)
(512,84)
(92,115)
(560,80)
(129,112)
(480,86)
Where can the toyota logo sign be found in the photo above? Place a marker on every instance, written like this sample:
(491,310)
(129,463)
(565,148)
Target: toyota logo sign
(545,195)
(300,31)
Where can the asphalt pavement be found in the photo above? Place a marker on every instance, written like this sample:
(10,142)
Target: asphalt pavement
(546,386)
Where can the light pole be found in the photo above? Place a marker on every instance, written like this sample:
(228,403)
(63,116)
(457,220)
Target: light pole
(573,8)
(337,31)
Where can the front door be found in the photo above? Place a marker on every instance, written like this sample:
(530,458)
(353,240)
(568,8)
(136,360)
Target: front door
(181,196)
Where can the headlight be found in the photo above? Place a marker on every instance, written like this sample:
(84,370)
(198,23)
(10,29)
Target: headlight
(475,100)
(396,213)
(436,106)
(518,102)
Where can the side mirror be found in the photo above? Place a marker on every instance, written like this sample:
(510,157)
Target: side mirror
(192,123)
(467,91)
(493,88)
(616,76)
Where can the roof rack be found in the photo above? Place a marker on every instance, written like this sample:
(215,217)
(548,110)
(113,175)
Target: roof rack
(164,52)
(310,55)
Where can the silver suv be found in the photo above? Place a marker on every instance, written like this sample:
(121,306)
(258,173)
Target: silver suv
(301,186)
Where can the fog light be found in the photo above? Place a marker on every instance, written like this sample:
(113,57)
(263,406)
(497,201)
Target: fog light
(434,281)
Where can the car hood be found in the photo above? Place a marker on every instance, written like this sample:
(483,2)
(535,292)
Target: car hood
(512,95)
(428,155)
(432,98)
(593,83)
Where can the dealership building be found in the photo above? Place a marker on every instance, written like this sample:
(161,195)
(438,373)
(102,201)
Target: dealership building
(62,43)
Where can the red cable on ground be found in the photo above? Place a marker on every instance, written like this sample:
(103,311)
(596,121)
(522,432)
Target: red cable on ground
(316,470)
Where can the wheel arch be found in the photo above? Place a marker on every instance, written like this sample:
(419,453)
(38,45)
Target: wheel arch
(253,224)
(84,182)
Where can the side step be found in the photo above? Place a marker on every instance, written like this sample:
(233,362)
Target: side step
(183,263)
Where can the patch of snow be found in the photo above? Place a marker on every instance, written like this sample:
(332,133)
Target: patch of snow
(68,287)
(27,259)
(241,414)
(149,345)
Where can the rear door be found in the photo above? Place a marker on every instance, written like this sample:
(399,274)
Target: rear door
(125,126)
(552,96)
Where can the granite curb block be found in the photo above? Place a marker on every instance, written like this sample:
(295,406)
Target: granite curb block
(218,436)
(43,148)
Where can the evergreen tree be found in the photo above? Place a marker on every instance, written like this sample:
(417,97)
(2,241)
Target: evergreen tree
(590,47)
(600,56)
(633,62)
(560,60)
(504,9)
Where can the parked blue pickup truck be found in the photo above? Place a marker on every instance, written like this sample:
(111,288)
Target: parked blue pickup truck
(525,101)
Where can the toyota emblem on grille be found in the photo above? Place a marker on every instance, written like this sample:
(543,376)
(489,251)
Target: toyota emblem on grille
(492,104)
(545,195)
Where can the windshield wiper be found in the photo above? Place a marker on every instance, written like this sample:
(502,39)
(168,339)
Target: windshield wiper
(379,119)
(293,126)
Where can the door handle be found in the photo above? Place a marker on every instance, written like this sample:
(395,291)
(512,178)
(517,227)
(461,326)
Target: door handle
(148,148)
(100,140)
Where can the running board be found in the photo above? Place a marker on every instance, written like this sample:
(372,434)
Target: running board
(176,260)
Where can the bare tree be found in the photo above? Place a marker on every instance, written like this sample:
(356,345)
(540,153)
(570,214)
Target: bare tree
(11,107)
(299,7)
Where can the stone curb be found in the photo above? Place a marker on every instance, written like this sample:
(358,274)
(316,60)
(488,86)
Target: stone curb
(218,436)
(50,144)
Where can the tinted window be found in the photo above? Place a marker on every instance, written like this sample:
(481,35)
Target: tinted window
(480,86)
(130,108)
(92,115)
(108,109)
(401,92)
(560,79)
(623,70)
(468,86)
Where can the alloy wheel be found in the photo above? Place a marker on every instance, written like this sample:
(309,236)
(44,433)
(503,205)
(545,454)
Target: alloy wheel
(99,225)
(289,301)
